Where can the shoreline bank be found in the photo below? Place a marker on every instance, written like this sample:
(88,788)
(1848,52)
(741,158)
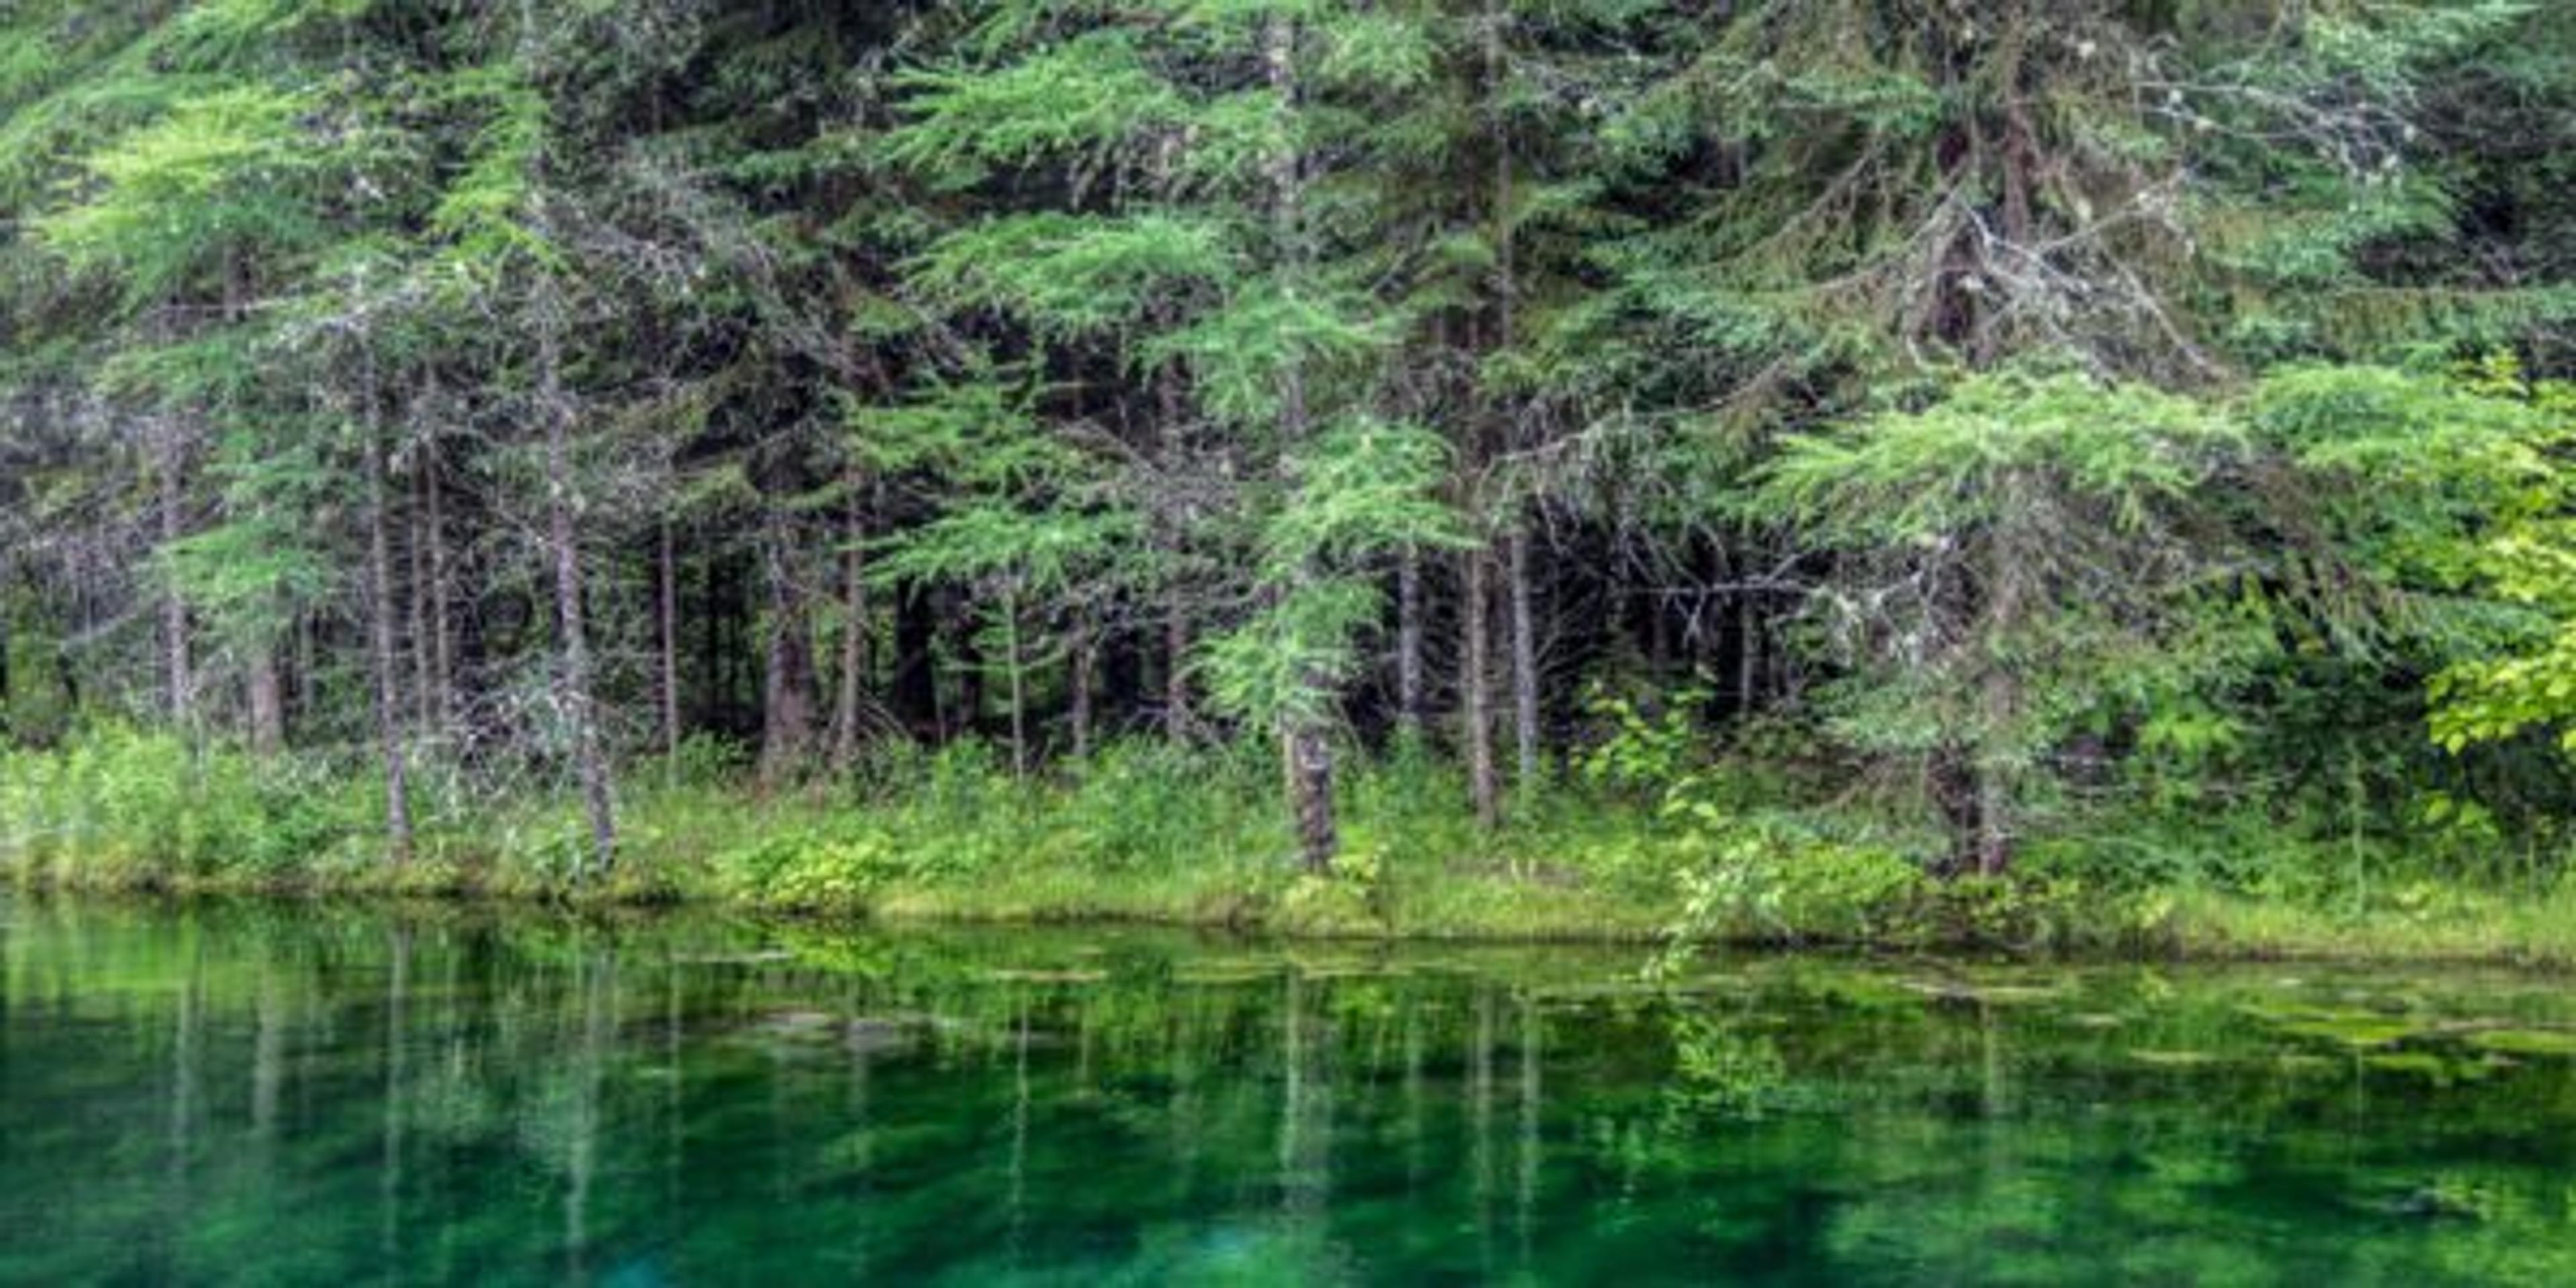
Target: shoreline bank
(2199,928)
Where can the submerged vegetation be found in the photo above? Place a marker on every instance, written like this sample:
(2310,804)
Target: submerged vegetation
(2090,474)
(323,1094)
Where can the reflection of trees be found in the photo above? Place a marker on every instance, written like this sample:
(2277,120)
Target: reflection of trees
(1530,1148)
(472,1098)
(397,1041)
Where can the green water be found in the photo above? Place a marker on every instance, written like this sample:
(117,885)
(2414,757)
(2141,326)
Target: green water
(301,1095)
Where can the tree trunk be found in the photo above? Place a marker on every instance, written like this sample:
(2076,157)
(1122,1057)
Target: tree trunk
(577,697)
(786,702)
(1525,678)
(381,652)
(1506,288)
(916,683)
(707,670)
(266,690)
(1078,659)
(1016,666)
(1708,623)
(666,613)
(1994,834)
(1120,690)
(714,699)
(179,686)
(1475,690)
(1998,703)
(597,786)
(1408,646)
(442,648)
(1176,611)
(852,679)
(266,703)
(1748,657)
(1309,755)
(1176,670)
(306,695)
(958,617)
(1951,781)
(424,666)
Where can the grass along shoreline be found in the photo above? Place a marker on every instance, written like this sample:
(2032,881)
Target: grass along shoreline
(1146,834)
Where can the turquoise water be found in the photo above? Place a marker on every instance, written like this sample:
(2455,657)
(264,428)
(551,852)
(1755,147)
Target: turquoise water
(258,1094)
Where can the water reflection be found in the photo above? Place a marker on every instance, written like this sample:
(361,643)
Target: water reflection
(310,1095)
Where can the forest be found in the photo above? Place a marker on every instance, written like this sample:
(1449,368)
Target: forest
(1801,469)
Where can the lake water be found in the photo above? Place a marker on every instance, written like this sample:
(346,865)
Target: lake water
(281,1094)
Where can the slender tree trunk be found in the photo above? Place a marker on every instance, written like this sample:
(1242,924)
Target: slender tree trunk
(179,687)
(1176,670)
(1408,646)
(1078,661)
(666,613)
(1994,831)
(915,681)
(1018,662)
(7,731)
(563,548)
(67,676)
(306,697)
(266,691)
(578,697)
(1525,678)
(959,617)
(424,667)
(381,653)
(1176,611)
(442,638)
(1119,660)
(1998,702)
(1748,658)
(261,682)
(854,637)
(711,692)
(1475,689)
(264,687)
(1951,782)
(1017,670)
(1708,633)
(1785,676)
(1506,287)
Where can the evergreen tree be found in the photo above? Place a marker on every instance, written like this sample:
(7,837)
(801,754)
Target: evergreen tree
(2000,395)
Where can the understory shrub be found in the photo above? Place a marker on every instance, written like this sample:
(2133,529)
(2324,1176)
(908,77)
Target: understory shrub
(121,806)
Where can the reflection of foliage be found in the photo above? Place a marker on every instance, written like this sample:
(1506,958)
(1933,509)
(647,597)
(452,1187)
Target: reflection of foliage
(1116,1101)
(1722,1069)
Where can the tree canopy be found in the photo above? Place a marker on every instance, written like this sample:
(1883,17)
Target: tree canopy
(2025,403)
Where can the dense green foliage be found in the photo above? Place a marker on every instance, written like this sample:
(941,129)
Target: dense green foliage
(1753,461)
